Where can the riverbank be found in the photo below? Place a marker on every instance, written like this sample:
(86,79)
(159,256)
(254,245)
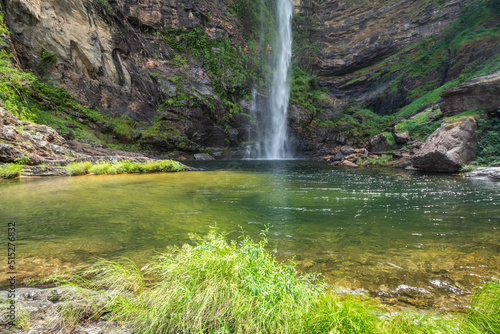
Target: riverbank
(216,285)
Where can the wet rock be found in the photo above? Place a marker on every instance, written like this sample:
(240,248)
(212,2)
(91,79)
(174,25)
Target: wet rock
(478,93)
(397,155)
(449,147)
(338,157)
(366,163)
(490,173)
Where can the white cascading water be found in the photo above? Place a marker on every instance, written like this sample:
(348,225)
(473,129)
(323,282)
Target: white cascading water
(276,135)
(270,130)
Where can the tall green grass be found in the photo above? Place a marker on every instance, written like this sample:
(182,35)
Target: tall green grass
(10,171)
(221,286)
(121,167)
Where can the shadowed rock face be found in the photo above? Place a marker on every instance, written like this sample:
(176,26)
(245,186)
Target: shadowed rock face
(449,147)
(478,93)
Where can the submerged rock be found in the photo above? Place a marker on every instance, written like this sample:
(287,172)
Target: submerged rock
(449,147)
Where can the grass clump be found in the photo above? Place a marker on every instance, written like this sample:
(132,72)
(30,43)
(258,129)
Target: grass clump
(79,168)
(10,171)
(216,286)
(484,314)
(122,167)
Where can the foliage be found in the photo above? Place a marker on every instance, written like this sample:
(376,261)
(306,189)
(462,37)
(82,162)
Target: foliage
(305,91)
(229,67)
(126,166)
(47,61)
(10,171)
(256,19)
(356,123)
(488,146)
(22,160)
(217,286)
(78,168)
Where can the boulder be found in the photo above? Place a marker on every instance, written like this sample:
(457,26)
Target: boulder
(449,147)
(478,93)
(381,143)
(491,173)
(347,150)
(401,138)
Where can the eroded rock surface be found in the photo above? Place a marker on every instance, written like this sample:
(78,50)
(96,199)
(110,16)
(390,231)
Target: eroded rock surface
(449,147)
(479,93)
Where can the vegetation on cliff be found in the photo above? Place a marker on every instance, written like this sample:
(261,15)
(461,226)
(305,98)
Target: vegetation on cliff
(217,285)
(415,77)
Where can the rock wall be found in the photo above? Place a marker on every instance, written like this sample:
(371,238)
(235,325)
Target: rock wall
(111,57)
(355,35)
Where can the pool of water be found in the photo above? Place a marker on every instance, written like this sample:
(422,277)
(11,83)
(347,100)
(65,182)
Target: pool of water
(411,238)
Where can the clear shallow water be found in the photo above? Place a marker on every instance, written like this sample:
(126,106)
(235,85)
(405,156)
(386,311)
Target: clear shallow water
(421,239)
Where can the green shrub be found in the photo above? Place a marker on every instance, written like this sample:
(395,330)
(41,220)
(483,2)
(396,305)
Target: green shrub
(10,171)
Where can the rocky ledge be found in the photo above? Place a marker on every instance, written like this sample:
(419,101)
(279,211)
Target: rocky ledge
(37,310)
(478,93)
(43,150)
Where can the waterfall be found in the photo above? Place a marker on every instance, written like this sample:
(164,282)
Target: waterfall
(272,140)
(276,137)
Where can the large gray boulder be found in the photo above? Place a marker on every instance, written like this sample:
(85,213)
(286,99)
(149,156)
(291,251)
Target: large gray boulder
(449,147)
(478,93)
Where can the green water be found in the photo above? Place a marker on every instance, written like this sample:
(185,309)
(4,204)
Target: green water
(421,239)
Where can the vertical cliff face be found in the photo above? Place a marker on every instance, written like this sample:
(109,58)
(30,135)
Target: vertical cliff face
(180,72)
(113,56)
(354,36)
(389,58)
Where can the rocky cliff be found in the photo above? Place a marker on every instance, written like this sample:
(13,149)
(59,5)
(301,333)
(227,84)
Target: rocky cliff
(176,75)
(115,56)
